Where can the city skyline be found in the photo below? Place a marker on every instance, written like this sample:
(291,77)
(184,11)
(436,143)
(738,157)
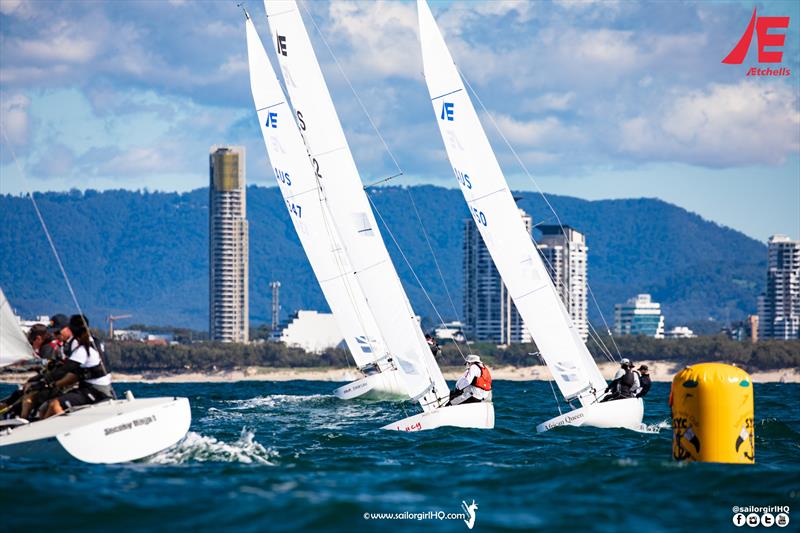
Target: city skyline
(103,96)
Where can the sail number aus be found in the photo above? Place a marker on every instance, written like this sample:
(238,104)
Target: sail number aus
(282,176)
(294,209)
(463,178)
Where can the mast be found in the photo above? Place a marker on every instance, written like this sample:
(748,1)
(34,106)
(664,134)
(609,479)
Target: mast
(305,202)
(497,217)
(333,165)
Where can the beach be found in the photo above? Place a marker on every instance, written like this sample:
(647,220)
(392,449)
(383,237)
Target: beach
(660,371)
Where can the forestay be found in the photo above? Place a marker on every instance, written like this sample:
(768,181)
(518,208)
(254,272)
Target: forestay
(305,200)
(498,218)
(13,344)
(334,166)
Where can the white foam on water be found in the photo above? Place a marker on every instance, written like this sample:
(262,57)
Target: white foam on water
(273,400)
(200,448)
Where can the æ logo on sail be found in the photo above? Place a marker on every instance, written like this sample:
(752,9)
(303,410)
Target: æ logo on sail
(447,111)
(282,45)
(272,120)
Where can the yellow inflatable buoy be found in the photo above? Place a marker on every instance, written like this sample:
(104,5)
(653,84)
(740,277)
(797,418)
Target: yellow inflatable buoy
(712,414)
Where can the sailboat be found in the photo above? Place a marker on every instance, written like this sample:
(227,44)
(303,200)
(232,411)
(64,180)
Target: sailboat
(328,177)
(309,211)
(113,431)
(496,215)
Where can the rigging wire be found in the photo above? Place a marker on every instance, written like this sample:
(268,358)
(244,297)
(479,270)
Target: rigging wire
(44,227)
(528,174)
(397,174)
(410,267)
(439,270)
(353,90)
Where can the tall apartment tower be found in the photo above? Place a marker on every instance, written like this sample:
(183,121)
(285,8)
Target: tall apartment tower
(489,313)
(779,305)
(565,254)
(228,245)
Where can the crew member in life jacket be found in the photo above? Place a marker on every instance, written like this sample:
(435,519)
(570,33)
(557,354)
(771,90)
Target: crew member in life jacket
(624,384)
(85,367)
(475,385)
(644,381)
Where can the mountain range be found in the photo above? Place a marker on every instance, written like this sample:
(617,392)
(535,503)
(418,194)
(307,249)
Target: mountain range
(146,254)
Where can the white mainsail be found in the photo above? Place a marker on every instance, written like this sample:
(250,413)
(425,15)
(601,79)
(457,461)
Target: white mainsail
(13,344)
(496,214)
(334,166)
(305,201)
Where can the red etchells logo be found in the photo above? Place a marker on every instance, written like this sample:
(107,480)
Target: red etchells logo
(761,25)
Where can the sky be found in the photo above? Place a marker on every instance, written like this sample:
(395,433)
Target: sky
(600,99)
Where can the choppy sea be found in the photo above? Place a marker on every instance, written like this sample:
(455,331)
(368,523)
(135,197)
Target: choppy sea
(263,456)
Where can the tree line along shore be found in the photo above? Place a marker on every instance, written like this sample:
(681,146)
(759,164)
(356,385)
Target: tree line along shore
(211,356)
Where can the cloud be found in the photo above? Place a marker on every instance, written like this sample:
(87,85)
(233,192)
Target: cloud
(748,123)
(14,118)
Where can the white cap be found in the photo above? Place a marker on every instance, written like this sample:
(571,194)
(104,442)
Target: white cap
(625,361)
(472,358)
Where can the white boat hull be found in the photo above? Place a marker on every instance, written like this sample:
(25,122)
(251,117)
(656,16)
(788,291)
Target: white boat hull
(381,386)
(115,431)
(625,413)
(471,415)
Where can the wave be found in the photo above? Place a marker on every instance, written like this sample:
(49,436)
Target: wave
(275,400)
(199,448)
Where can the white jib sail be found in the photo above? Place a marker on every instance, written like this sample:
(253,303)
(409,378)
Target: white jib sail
(333,164)
(13,344)
(496,214)
(305,201)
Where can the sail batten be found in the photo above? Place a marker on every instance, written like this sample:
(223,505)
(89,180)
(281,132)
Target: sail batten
(498,219)
(351,212)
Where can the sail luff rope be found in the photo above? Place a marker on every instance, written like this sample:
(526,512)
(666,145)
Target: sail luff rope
(524,168)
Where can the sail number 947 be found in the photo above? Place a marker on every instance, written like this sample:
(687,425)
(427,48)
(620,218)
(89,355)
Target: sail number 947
(294,209)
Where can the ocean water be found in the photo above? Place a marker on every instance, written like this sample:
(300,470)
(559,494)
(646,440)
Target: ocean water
(264,456)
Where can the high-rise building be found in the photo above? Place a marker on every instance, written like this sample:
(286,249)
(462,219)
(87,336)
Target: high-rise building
(779,305)
(639,316)
(228,245)
(565,252)
(489,312)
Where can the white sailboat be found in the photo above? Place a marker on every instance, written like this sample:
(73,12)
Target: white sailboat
(337,184)
(514,253)
(113,431)
(308,209)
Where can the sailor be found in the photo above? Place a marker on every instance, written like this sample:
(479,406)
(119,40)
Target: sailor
(432,344)
(59,326)
(85,367)
(475,385)
(624,384)
(28,395)
(644,381)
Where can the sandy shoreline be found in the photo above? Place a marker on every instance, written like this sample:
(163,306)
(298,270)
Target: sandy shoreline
(662,371)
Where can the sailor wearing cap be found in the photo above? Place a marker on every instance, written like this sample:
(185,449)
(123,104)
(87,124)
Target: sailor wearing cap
(475,385)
